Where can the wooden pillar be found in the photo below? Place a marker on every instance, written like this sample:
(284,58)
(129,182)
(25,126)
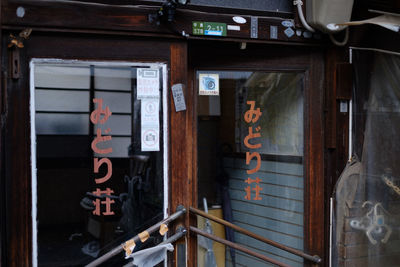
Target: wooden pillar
(182,147)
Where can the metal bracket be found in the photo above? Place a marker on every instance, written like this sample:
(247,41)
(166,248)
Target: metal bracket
(181,208)
(15,63)
(16,42)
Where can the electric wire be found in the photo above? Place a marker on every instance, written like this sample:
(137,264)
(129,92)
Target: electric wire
(299,4)
(345,39)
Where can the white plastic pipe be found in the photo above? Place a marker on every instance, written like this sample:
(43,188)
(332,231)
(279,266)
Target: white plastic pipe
(299,4)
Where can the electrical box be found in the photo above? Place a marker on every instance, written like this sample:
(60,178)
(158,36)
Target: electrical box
(324,14)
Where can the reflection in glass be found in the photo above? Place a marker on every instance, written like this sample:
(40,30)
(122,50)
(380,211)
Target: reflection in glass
(62,123)
(118,102)
(75,224)
(264,195)
(113,78)
(367,193)
(62,100)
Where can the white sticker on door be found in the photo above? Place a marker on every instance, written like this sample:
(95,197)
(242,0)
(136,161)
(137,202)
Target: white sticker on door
(148,83)
(208,84)
(150,124)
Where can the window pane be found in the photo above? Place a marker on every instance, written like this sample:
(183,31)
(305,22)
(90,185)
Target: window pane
(75,77)
(118,102)
(97,186)
(113,78)
(250,154)
(280,98)
(119,125)
(120,147)
(61,100)
(61,124)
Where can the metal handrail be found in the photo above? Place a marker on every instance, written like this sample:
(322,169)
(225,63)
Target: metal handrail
(181,231)
(180,211)
(315,259)
(236,246)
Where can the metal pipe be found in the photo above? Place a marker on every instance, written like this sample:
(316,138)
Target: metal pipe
(238,247)
(136,238)
(181,232)
(306,256)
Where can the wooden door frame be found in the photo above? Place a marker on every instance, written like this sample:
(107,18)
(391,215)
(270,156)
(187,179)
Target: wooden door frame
(17,151)
(182,125)
(282,58)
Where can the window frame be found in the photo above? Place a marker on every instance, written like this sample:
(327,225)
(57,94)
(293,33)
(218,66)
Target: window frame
(55,61)
(17,131)
(287,59)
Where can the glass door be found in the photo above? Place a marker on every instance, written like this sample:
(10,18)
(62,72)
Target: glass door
(250,161)
(99,157)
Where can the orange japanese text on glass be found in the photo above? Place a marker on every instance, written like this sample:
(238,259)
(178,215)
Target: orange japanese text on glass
(252,141)
(104,196)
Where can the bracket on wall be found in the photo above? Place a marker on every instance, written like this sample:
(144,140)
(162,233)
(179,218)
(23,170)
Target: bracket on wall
(16,43)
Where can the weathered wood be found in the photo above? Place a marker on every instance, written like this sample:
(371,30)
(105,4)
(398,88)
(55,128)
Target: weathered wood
(18,169)
(315,200)
(335,129)
(344,80)
(182,145)
(91,16)
(3,110)
(330,98)
(17,151)
(97,47)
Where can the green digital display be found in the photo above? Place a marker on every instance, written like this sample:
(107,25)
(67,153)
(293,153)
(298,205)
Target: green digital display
(208,28)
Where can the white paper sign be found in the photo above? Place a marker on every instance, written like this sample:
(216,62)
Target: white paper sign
(150,138)
(208,84)
(148,83)
(150,111)
(150,124)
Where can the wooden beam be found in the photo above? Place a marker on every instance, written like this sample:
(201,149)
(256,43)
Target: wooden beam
(142,19)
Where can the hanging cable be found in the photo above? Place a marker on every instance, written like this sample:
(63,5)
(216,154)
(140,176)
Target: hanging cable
(345,39)
(299,4)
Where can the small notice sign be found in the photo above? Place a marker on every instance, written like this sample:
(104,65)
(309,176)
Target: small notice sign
(150,138)
(148,83)
(208,28)
(150,111)
(179,97)
(150,124)
(343,106)
(208,84)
